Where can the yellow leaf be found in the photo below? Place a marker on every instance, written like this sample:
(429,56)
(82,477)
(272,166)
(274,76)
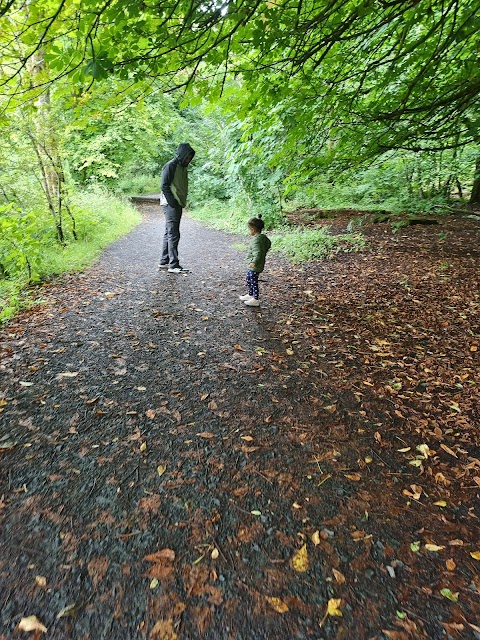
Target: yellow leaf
(41,581)
(247,438)
(154,583)
(215,554)
(316,538)
(355,477)
(278,604)
(143,446)
(238,347)
(440,503)
(433,547)
(475,555)
(404,450)
(333,608)
(32,623)
(161,469)
(290,352)
(256,512)
(300,560)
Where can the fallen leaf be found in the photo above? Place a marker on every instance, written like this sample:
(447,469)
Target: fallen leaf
(448,450)
(446,593)
(440,503)
(205,434)
(150,413)
(450,564)
(300,560)
(333,608)
(475,555)
(238,347)
(32,623)
(247,438)
(158,557)
(67,374)
(424,450)
(433,547)
(41,581)
(339,577)
(143,447)
(154,583)
(161,469)
(215,553)
(316,538)
(278,604)
(255,512)
(355,477)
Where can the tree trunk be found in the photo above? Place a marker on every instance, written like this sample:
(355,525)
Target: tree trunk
(45,143)
(475,195)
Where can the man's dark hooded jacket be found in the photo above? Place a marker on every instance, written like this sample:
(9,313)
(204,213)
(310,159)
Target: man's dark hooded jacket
(175,178)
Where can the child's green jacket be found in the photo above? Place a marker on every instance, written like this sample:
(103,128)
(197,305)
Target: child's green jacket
(257,251)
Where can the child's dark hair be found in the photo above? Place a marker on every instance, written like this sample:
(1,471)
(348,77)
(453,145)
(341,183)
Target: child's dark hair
(257,223)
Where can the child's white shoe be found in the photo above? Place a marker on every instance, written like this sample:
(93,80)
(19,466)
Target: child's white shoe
(252,302)
(246,297)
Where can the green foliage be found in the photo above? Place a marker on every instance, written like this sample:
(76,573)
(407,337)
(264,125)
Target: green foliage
(222,215)
(29,250)
(303,243)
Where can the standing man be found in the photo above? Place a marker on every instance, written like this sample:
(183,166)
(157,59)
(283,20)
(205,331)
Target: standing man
(173,199)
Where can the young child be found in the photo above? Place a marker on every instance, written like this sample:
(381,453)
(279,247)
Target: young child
(257,251)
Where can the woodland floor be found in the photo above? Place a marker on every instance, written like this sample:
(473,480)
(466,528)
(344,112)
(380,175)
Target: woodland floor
(177,465)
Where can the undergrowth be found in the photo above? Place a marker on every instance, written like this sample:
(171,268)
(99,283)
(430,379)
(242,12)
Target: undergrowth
(99,220)
(298,244)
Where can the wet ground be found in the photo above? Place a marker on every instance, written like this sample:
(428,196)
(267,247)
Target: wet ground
(177,465)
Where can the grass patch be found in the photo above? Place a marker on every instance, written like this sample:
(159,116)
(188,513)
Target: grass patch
(223,216)
(100,220)
(302,244)
(299,244)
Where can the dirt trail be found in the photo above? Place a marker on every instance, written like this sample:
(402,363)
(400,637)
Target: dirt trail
(177,465)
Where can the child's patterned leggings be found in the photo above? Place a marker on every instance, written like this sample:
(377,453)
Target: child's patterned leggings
(252,283)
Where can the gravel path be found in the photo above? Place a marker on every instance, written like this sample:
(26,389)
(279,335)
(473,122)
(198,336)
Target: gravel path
(177,465)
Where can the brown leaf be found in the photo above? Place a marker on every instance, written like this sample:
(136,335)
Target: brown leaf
(97,568)
(163,630)
(165,555)
(339,577)
(205,434)
(151,503)
(448,450)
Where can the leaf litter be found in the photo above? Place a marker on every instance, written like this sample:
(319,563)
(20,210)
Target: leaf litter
(361,397)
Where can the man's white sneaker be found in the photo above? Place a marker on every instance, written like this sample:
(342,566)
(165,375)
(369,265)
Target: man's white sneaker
(246,297)
(178,270)
(252,302)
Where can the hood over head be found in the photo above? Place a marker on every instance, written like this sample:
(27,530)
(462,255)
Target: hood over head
(184,150)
